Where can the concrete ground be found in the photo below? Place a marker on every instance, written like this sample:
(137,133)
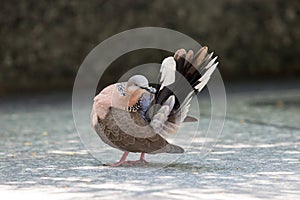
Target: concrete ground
(257,155)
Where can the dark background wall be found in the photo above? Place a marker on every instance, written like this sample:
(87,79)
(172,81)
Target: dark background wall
(44,42)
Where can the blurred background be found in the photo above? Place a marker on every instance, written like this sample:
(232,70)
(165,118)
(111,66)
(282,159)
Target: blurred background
(43,43)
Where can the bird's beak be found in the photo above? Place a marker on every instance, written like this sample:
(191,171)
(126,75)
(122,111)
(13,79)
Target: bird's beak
(149,89)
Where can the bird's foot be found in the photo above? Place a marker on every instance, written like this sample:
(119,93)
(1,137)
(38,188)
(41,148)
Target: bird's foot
(140,161)
(119,163)
(123,161)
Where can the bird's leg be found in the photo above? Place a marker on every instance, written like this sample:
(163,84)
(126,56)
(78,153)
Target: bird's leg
(141,160)
(122,160)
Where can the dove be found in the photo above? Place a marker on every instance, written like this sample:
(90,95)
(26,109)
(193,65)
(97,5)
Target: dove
(136,116)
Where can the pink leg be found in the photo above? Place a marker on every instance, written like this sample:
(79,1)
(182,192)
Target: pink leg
(122,160)
(141,160)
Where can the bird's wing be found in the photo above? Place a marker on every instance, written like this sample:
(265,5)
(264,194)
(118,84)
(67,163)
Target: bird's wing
(183,76)
(128,131)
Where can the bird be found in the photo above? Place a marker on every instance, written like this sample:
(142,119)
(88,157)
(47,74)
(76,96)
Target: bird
(136,116)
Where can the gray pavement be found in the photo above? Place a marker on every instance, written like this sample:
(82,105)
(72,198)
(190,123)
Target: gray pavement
(257,155)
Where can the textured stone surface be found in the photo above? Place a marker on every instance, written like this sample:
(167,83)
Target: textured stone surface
(257,156)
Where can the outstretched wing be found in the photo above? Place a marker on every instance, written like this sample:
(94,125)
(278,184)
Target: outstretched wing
(182,77)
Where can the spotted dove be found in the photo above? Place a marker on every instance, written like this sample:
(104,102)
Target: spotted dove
(134,116)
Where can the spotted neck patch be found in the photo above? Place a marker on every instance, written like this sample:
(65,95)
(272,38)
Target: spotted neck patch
(121,88)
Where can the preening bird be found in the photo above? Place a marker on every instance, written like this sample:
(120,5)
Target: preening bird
(135,116)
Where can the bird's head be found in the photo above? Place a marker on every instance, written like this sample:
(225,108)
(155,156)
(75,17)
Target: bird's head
(139,82)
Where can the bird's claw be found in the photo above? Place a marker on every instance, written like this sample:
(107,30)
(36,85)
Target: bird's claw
(128,163)
(140,161)
(119,163)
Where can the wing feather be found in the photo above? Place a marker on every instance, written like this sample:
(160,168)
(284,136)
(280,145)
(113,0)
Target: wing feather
(196,69)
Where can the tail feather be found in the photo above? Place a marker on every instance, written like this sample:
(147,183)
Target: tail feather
(169,148)
(172,148)
(188,58)
(200,56)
